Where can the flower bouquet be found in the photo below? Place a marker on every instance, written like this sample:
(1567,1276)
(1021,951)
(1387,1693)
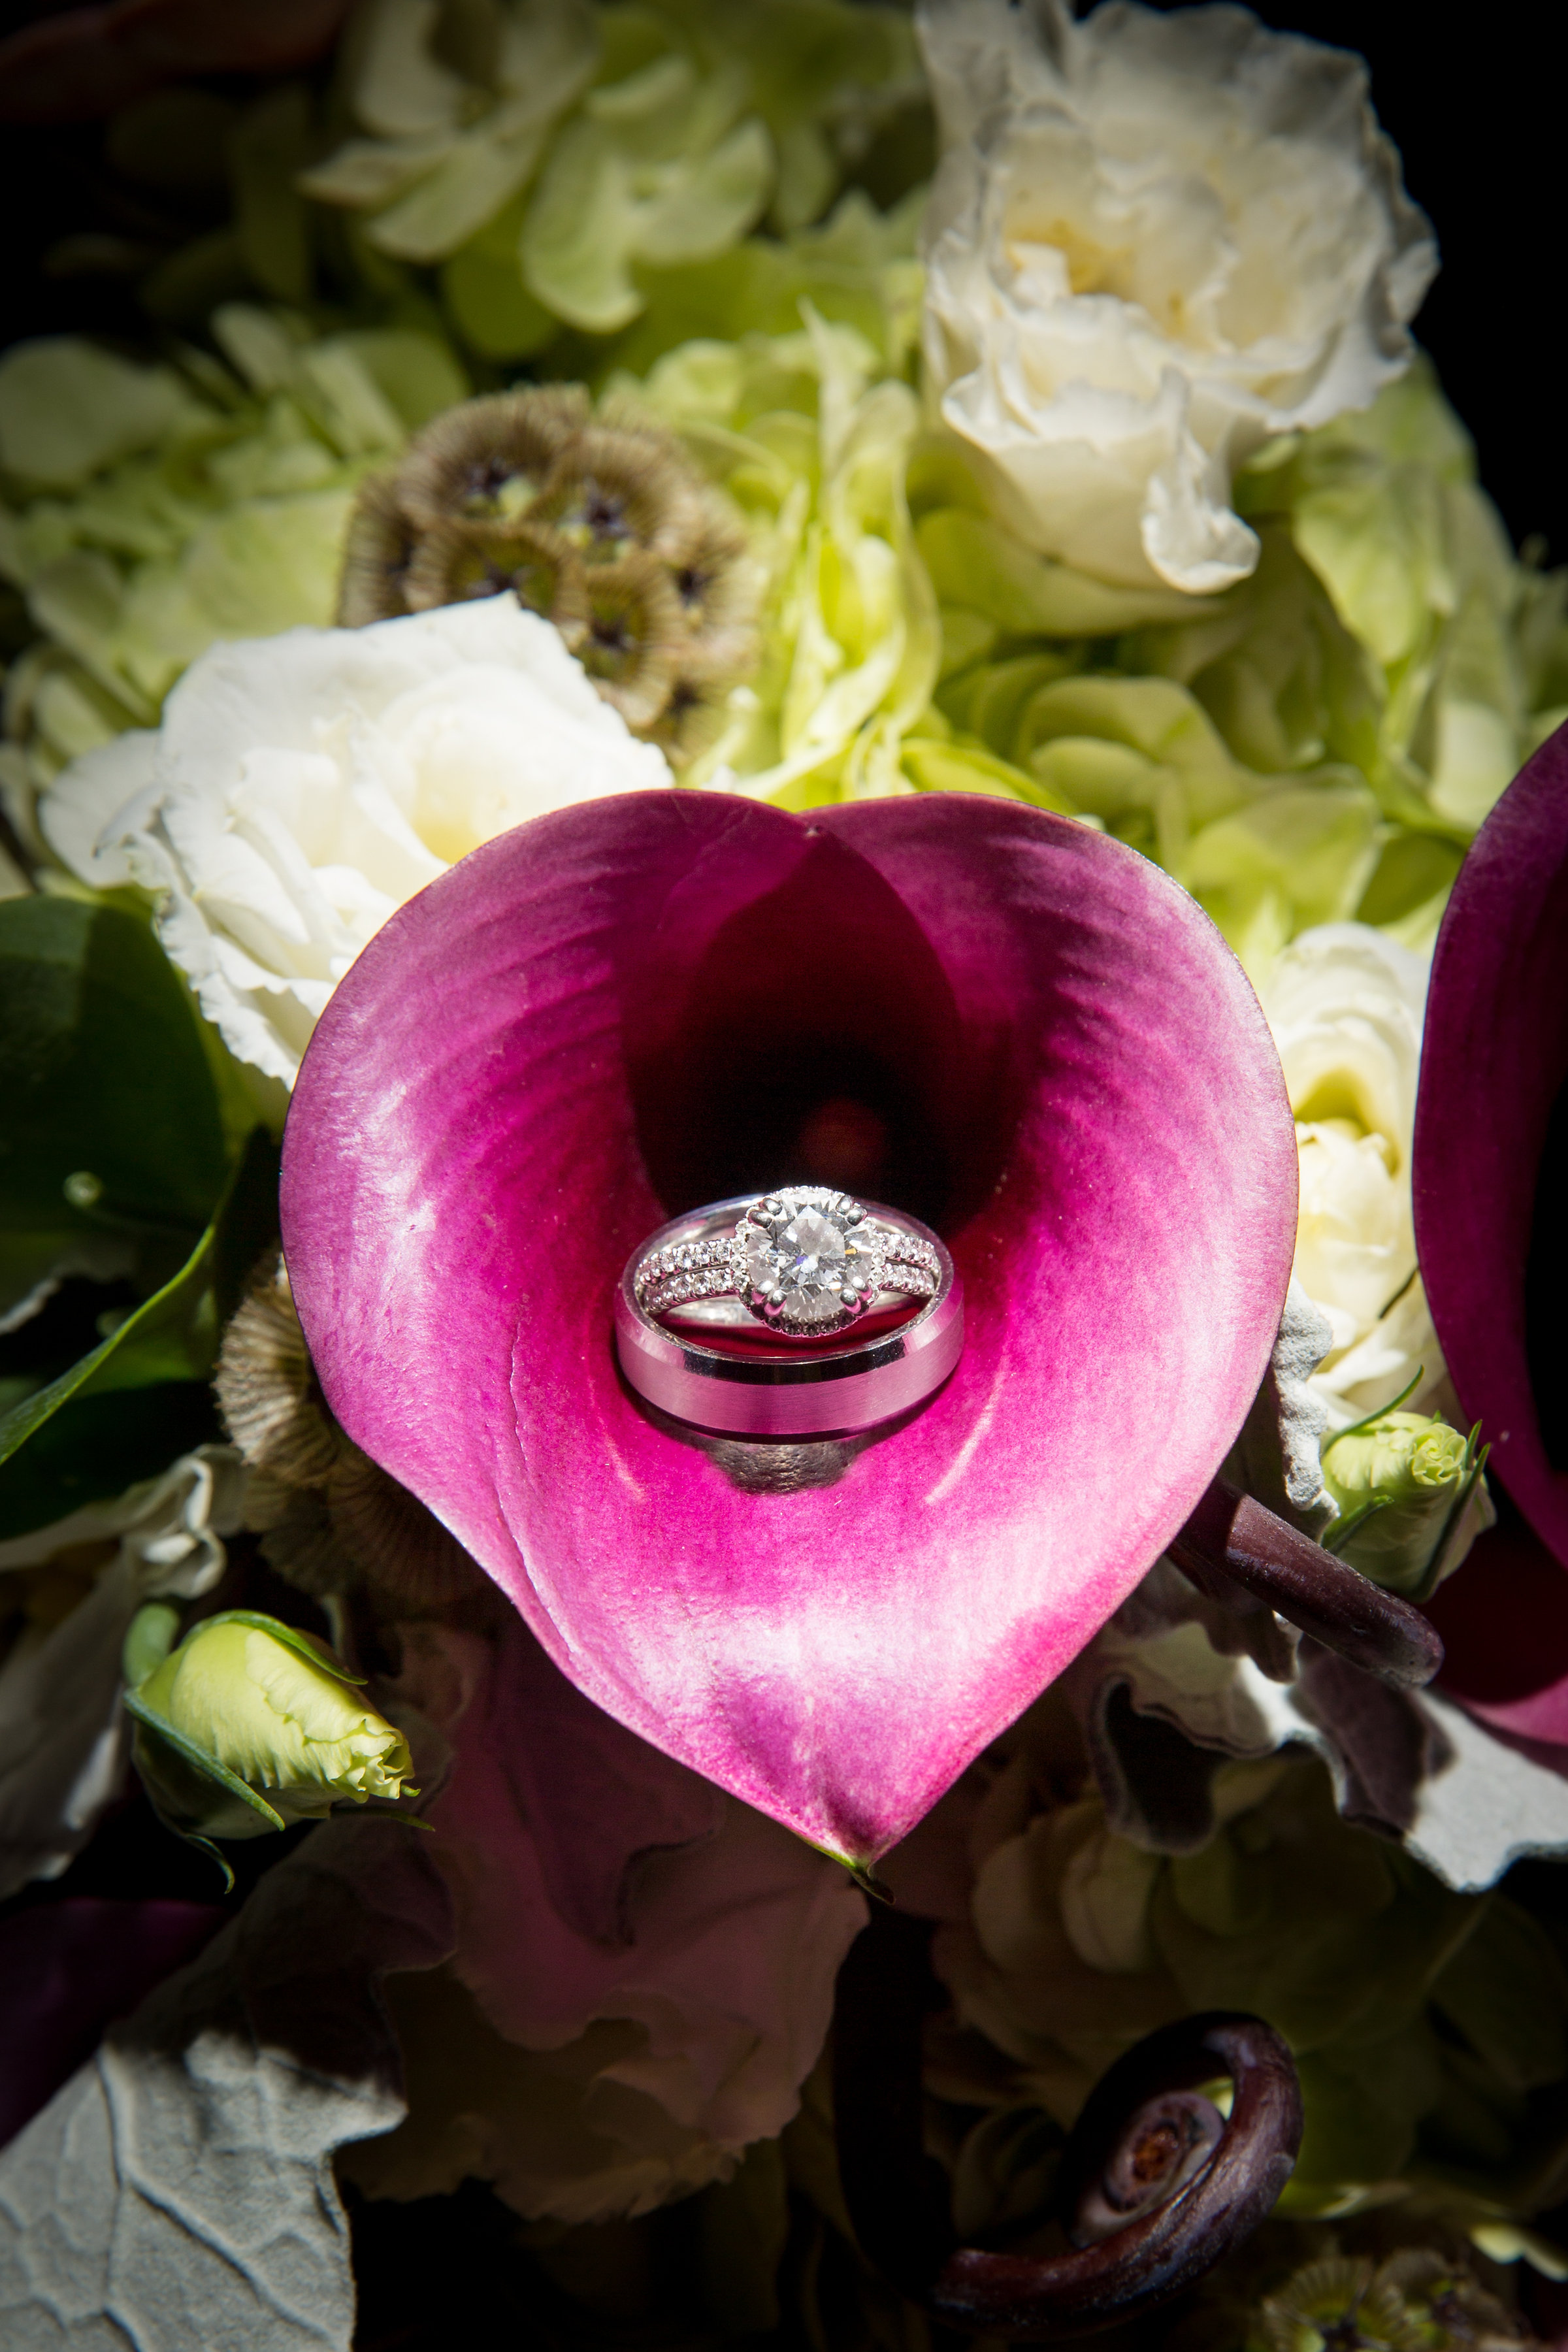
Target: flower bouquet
(785,937)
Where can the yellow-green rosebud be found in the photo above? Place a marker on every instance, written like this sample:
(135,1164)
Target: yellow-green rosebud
(1402,1481)
(250,1725)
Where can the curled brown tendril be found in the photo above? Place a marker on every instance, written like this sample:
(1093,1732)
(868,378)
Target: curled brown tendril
(1155,2185)
(1230,1539)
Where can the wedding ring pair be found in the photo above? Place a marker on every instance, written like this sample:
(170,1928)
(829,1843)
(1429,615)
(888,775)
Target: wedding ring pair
(725,1318)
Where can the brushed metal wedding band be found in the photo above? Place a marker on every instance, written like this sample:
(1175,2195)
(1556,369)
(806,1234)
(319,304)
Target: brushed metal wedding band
(756,1386)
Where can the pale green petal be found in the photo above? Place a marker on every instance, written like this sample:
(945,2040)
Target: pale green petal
(664,86)
(415,375)
(465,189)
(576,241)
(396,85)
(68,409)
(974,562)
(482,286)
(259,568)
(369,173)
(932,766)
(710,204)
(1299,855)
(1377,542)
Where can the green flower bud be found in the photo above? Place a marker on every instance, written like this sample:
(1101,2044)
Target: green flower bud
(250,1725)
(1402,1482)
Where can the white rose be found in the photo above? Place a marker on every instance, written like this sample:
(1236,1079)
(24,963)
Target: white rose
(1152,242)
(1346,1005)
(302,787)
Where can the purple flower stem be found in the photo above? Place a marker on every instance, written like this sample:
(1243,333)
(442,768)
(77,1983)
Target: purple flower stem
(1230,1539)
(896,2195)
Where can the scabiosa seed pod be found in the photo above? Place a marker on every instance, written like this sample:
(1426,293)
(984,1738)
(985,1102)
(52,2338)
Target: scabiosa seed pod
(377,551)
(616,488)
(332,1523)
(267,1389)
(605,526)
(488,460)
(717,587)
(457,561)
(635,637)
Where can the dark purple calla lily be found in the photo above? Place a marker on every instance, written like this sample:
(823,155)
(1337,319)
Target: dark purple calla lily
(643,1003)
(1491,1212)
(67,1968)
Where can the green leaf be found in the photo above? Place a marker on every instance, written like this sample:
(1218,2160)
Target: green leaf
(91,1448)
(199,1761)
(167,1346)
(106,1091)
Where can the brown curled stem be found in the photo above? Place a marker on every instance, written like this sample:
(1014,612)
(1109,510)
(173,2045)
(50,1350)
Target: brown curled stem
(898,2197)
(1230,1539)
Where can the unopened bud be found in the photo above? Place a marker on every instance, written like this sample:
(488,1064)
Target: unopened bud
(250,1725)
(1403,1482)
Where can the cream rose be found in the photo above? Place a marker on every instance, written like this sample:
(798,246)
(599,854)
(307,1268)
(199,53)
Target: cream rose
(302,787)
(1153,241)
(1345,1006)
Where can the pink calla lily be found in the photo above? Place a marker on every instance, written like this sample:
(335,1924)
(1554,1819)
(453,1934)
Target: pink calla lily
(643,1003)
(1494,1063)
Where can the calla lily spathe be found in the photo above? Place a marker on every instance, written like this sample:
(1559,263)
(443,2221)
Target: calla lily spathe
(635,1005)
(1488,1121)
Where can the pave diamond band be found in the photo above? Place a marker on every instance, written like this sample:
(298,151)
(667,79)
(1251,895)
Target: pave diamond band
(765,1293)
(806,1260)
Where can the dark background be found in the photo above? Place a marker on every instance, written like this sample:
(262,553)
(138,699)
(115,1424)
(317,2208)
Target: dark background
(1479,118)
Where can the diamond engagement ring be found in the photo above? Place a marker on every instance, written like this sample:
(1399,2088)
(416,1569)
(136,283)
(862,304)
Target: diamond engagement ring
(716,1313)
(806,1260)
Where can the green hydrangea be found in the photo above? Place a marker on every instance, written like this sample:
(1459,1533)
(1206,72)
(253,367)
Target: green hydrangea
(1319,743)
(809,434)
(557,159)
(146,510)
(1429,2027)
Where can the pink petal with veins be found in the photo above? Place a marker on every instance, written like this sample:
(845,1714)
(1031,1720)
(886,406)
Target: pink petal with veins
(639,1005)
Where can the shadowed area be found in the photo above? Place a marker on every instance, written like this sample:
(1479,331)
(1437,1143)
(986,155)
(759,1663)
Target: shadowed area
(814,1038)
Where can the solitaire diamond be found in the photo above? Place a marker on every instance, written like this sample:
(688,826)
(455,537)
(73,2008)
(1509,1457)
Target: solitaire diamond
(807,1260)
(804,1260)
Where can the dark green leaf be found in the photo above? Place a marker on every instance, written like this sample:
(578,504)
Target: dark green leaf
(96,1446)
(135,1378)
(105,1081)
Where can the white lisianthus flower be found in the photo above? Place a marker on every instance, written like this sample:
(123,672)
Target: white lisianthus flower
(1346,1005)
(1153,241)
(302,787)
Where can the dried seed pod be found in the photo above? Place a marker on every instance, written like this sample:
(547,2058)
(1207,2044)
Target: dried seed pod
(302,1545)
(267,1389)
(635,636)
(404,1558)
(694,716)
(1341,2301)
(380,545)
(718,595)
(616,489)
(488,460)
(457,561)
(605,527)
